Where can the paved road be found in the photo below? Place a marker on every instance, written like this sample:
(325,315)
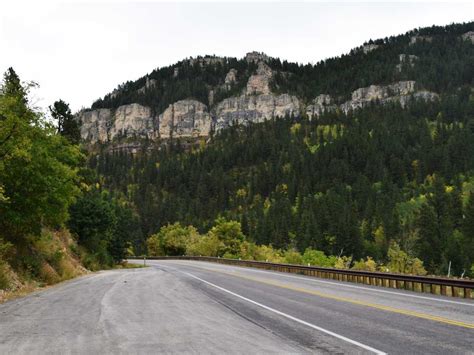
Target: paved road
(198,307)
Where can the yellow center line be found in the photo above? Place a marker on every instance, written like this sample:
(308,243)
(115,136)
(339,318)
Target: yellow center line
(349,300)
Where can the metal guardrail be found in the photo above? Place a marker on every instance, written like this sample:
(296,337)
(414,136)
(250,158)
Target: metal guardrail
(429,284)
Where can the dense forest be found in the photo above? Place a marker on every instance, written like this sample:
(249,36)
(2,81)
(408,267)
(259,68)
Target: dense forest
(365,185)
(349,184)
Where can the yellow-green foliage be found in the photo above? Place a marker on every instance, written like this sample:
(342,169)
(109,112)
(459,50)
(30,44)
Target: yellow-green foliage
(267,253)
(295,128)
(318,258)
(171,240)
(48,259)
(5,249)
(329,131)
(293,257)
(401,262)
(229,233)
(343,262)
(204,245)
(365,265)
(58,261)
(225,239)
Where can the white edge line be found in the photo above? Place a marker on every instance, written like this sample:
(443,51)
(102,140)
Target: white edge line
(345,285)
(341,337)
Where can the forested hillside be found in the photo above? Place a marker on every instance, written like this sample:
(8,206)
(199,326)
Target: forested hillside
(437,58)
(366,183)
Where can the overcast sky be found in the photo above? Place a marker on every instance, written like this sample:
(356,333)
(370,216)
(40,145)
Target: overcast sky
(81,51)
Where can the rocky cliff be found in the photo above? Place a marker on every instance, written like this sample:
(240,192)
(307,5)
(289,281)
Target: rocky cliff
(241,96)
(191,118)
(185,118)
(401,92)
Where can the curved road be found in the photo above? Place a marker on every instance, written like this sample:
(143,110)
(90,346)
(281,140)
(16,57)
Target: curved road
(198,307)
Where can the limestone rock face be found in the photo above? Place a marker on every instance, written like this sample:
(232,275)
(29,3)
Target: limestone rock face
(322,103)
(207,60)
(369,48)
(94,125)
(416,39)
(255,57)
(259,83)
(132,120)
(150,83)
(409,59)
(374,92)
(364,96)
(401,92)
(468,36)
(231,77)
(104,125)
(185,118)
(245,109)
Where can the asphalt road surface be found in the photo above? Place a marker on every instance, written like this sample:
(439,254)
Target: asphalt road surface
(198,307)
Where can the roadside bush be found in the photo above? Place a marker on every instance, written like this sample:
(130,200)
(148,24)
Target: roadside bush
(318,258)
(401,262)
(204,245)
(292,256)
(343,262)
(267,253)
(171,240)
(5,250)
(230,234)
(4,277)
(365,265)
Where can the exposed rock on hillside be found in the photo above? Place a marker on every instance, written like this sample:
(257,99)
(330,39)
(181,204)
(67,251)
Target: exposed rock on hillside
(132,120)
(369,48)
(185,118)
(244,109)
(150,83)
(417,39)
(259,83)
(468,36)
(400,92)
(406,59)
(322,103)
(230,78)
(255,57)
(103,125)
(94,125)
(207,60)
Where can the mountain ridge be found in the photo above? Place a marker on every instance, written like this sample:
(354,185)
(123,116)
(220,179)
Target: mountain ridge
(199,96)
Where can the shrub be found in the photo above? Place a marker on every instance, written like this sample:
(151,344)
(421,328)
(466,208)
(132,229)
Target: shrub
(401,262)
(267,253)
(343,262)
(365,265)
(293,257)
(204,245)
(229,233)
(4,276)
(5,250)
(318,258)
(48,274)
(171,240)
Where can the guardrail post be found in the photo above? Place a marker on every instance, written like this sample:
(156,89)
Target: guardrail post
(455,292)
(467,293)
